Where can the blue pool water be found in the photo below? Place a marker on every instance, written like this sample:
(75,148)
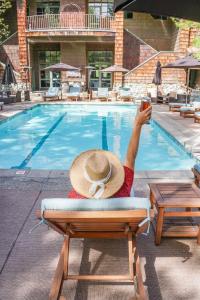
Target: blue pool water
(50,137)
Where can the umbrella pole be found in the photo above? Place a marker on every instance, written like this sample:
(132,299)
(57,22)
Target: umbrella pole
(187,84)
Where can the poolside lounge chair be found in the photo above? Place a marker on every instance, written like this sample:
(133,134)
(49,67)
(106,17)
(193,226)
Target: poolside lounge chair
(125,94)
(156,96)
(197,117)
(171,97)
(51,94)
(175,106)
(103,218)
(102,94)
(74,92)
(189,110)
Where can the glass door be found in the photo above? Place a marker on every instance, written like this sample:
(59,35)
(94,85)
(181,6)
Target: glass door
(47,7)
(100,60)
(47,79)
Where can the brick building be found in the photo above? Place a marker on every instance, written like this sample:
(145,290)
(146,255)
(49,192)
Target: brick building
(86,33)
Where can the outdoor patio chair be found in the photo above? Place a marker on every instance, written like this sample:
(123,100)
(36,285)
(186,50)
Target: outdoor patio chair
(51,94)
(171,97)
(175,106)
(1,105)
(125,94)
(190,109)
(156,96)
(102,94)
(74,92)
(197,117)
(113,218)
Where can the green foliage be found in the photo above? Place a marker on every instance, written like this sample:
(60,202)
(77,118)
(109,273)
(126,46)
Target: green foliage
(186,24)
(4,28)
(196,43)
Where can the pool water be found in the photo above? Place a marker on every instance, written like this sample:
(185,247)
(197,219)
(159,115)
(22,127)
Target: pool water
(51,136)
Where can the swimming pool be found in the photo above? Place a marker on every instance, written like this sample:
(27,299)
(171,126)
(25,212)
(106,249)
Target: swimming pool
(51,136)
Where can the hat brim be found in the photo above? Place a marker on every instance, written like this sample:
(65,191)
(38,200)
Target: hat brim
(80,183)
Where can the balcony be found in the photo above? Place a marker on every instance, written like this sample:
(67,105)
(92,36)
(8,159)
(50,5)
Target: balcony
(70,22)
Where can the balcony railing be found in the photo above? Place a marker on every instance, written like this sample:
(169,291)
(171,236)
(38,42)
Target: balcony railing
(70,21)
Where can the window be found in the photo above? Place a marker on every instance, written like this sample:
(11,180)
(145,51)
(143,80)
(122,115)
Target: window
(100,7)
(48,8)
(100,60)
(47,58)
(128,15)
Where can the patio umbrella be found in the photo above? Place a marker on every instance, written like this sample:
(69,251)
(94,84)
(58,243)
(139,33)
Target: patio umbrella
(60,67)
(8,75)
(115,69)
(157,79)
(170,8)
(186,63)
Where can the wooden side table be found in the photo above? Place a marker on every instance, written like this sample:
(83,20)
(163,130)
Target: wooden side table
(169,199)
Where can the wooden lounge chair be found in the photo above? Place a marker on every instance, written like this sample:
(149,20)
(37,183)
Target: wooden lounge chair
(197,117)
(102,94)
(125,94)
(188,111)
(74,93)
(103,218)
(51,94)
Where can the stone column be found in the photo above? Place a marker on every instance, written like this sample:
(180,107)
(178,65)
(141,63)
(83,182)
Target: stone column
(119,41)
(21,25)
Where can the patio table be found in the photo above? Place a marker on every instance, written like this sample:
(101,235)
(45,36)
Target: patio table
(176,205)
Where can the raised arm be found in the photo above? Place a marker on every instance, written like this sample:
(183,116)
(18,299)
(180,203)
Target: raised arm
(141,119)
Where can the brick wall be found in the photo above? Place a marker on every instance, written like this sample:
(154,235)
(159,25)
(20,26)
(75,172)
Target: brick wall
(10,50)
(73,54)
(21,23)
(154,32)
(145,73)
(119,42)
(135,51)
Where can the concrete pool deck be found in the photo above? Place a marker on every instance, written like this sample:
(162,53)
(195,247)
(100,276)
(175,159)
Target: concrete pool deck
(27,261)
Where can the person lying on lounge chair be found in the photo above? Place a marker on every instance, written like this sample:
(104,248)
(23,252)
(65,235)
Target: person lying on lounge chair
(100,174)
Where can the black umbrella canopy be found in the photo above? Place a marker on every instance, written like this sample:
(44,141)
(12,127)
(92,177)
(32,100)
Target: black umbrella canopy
(185,9)
(157,79)
(187,62)
(60,67)
(8,75)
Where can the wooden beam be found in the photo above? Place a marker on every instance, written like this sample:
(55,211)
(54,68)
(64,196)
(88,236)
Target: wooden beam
(123,278)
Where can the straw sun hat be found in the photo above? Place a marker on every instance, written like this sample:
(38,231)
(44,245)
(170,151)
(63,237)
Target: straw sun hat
(97,174)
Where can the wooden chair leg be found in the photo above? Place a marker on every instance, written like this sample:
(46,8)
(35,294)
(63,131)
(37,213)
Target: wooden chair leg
(130,255)
(57,283)
(139,286)
(159,225)
(66,255)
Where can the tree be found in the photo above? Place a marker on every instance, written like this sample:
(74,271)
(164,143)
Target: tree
(4,28)
(185,24)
